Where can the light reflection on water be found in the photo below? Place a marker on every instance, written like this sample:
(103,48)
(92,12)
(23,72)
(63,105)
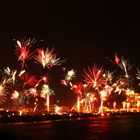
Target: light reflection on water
(111,128)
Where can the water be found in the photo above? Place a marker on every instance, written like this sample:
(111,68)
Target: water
(103,128)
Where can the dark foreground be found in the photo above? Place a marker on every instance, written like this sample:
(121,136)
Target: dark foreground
(87,128)
(44,117)
(10,118)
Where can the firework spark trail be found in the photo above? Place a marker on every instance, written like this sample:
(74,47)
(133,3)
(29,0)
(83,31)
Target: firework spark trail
(93,76)
(44,79)
(29,79)
(89,102)
(78,88)
(23,50)
(46,90)
(125,66)
(44,57)
(35,108)
(68,78)
(2,94)
(33,92)
(116,59)
(108,76)
(47,58)
(15,95)
(138,75)
(70,75)
(7,71)
(21,72)
(64,82)
(103,97)
(9,75)
(14,76)
(55,61)
(122,63)
(45,93)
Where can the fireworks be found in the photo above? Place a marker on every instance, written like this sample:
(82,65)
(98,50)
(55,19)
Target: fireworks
(45,93)
(98,89)
(33,92)
(29,79)
(103,95)
(23,50)
(70,75)
(138,75)
(9,75)
(46,90)
(47,58)
(108,76)
(15,95)
(89,102)
(2,94)
(125,66)
(58,110)
(116,59)
(93,76)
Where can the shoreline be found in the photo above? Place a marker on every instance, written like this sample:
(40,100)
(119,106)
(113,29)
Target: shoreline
(45,117)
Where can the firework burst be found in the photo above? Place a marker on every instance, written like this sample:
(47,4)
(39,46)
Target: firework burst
(29,79)
(33,92)
(70,75)
(9,75)
(47,58)
(2,94)
(15,95)
(125,66)
(23,50)
(45,93)
(93,77)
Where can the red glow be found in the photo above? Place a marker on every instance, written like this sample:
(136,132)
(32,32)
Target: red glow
(117,59)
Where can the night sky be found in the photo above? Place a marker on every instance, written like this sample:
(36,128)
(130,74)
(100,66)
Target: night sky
(84,33)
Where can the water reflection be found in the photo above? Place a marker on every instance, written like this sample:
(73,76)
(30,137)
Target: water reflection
(104,128)
(115,128)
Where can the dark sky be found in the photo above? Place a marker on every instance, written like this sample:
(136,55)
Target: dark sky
(84,33)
